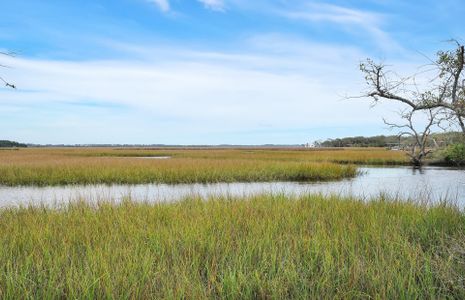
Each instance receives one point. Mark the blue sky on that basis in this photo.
(207, 71)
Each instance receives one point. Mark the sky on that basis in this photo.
(207, 71)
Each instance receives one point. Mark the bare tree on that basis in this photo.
(419, 149)
(7, 84)
(445, 89)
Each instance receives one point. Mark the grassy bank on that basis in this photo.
(261, 247)
(91, 166)
(134, 171)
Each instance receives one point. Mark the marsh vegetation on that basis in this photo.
(261, 246)
(258, 247)
(43, 166)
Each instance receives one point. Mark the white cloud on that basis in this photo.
(213, 4)
(174, 96)
(164, 5)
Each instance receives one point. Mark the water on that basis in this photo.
(432, 184)
(149, 157)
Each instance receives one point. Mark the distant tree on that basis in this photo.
(360, 141)
(419, 142)
(7, 84)
(9, 144)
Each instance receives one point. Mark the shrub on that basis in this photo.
(455, 154)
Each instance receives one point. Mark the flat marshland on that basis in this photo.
(267, 246)
(259, 247)
(45, 166)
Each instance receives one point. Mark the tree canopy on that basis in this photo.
(5, 143)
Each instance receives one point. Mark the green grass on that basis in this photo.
(260, 247)
(135, 171)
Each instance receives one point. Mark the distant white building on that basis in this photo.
(309, 145)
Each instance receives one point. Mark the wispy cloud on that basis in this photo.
(217, 5)
(328, 12)
(164, 5)
(370, 22)
(183, 95)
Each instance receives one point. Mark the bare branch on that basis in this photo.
(7, 84)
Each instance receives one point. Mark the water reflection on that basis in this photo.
(429, 183)
(418, 170)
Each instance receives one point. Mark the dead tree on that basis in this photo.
(419, 148)
(445, 88)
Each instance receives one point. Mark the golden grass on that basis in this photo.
(265, 247)
(52, 166)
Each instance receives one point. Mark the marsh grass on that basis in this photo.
(260, 247)
(110, 171)
(94, 166)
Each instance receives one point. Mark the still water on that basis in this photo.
(431, 183)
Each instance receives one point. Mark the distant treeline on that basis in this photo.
(437, 139)
(360, 141)
(4, 143)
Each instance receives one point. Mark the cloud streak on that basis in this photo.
(163, 5)
(217, 5)
(349, 18)
(317, 12)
